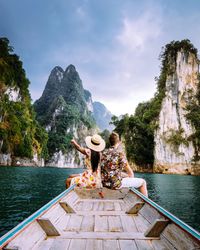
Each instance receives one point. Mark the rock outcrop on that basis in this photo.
(174, 150)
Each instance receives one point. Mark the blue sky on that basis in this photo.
(114, 44)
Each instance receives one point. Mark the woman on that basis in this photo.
(91, 178)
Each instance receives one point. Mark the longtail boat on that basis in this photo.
(101, 219)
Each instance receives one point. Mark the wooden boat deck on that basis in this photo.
(121, 220)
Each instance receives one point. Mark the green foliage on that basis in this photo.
(193, 116)
(18, 125)
(176, 138)
(105, 135)
(138, 129)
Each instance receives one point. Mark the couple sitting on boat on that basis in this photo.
(105, 167)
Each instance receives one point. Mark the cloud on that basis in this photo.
(116, 74)
(136, 33)
(115, 49)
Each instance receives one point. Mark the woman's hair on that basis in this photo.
(95, 158)
(113, 138)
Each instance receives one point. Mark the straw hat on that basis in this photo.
(95, 142)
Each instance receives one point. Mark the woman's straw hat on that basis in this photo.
(95, 142)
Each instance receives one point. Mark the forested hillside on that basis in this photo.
(20, 133)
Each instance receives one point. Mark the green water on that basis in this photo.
(23, 190)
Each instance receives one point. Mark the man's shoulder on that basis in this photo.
(113, 151)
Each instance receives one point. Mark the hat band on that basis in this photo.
(95, 143)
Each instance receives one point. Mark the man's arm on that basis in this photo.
(129, 170)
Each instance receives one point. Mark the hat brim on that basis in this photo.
(97, 148)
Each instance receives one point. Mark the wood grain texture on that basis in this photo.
(180, 239)
(101, 223)
(92, 244)
(105, 235)
(128, 224)
(87, 223)
(127, 245)
(156, 228)
(114, 224)
(48, 227)
(74, 223)
(66, 207)
(135, 208)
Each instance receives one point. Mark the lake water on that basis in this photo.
(23, 190)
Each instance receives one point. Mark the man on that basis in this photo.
(113, 163)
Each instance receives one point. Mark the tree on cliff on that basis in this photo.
(20, 133)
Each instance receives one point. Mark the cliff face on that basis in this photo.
(174, 150)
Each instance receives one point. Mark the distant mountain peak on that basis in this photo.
(71, 69)
(57, 74)
(57, 69)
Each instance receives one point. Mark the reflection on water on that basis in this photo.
(23, 190)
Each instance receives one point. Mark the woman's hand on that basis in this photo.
(78, 147)
(73, 142)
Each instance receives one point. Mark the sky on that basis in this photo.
(114, 44)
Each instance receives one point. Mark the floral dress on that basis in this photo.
(88, 179)
(112, 163)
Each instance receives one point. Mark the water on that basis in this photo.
(23, 190)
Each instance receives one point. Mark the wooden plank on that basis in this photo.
(95, 206)
(108, 193)
(11, 248)
(60, 244)
(150, 213)
(87, 206)
(100, 213)
(48, 227)
(156, 228)
(162, 244)
(74, 223)
(32, 236)
(77, 244)
(101, 206)
(117, 206)
(128, 224)
(61, 224)
(144, 244)
(71, 198)
(46, 244)
(131, 199)
(114, 224)
(179, 238)
(92, 244)
(54, 213)
(88, 223)
(108, 206)
(78, 206)
(135, 208)
(100, 200)
(66, 207)
(141, 223)
(101, 223)
(105, 235)
(127, 245)
(111, 244)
